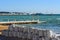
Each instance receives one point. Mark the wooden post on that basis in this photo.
(8, 20)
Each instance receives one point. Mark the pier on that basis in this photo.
(21, 22)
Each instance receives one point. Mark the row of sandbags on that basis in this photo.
(27, 32)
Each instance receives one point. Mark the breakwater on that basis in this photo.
(18, 32)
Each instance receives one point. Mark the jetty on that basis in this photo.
(21, 22)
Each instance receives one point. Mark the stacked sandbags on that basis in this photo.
(43, 35)
(27, 33)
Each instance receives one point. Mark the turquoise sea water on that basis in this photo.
(52, 22)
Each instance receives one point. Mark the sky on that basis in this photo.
(31, 6)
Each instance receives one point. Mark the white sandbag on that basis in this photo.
(20, 34)
(10, 33)
(14, 34)
(34, 39)
(21, 29)
(46, 38)
(40, 33)
(10, 27)
(29, 36)
(35, 31)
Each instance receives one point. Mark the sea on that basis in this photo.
(51, 22)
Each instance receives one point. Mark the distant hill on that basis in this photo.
(4, 12)
(13, 13)
(37, 14)
(41, 14)
(24, 13)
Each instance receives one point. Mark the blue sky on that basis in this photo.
(44, 6)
